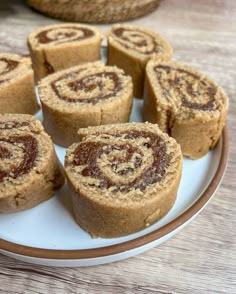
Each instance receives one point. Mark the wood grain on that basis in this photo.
(202, 257)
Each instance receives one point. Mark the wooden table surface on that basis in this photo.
(202, 257)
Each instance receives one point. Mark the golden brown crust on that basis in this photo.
(82, 96)
(122, 177)
(29, 170)
(61, 46)
(130, 48)
(185, 104)
(16, 85)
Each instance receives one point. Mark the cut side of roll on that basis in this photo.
(29, 170)
(130, 48)
(122, 177)
(87, 95)
(60, 46)
(16, 85)
(186, 104)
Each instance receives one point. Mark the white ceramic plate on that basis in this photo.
(48, 234)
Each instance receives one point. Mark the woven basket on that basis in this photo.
(94, 11)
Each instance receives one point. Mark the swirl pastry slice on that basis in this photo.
(185, 104)
(122, 177)
(130, 48)
(60, 46)
(86, 95)
(29, 170)
(16, 85)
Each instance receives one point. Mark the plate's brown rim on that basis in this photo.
(135, 243)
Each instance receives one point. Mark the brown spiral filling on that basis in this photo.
(48, 67)
(137, 40)
(193, 92)
(10, 66)
(13, 125)
(27, 145)
(62, 35)
(89, 89)
(88, 153)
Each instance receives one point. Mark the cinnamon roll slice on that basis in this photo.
(81, 96)
(60, 46)
(122, 177)
(130, 48)
(16, 85)
(29, 170)
(186, 104)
